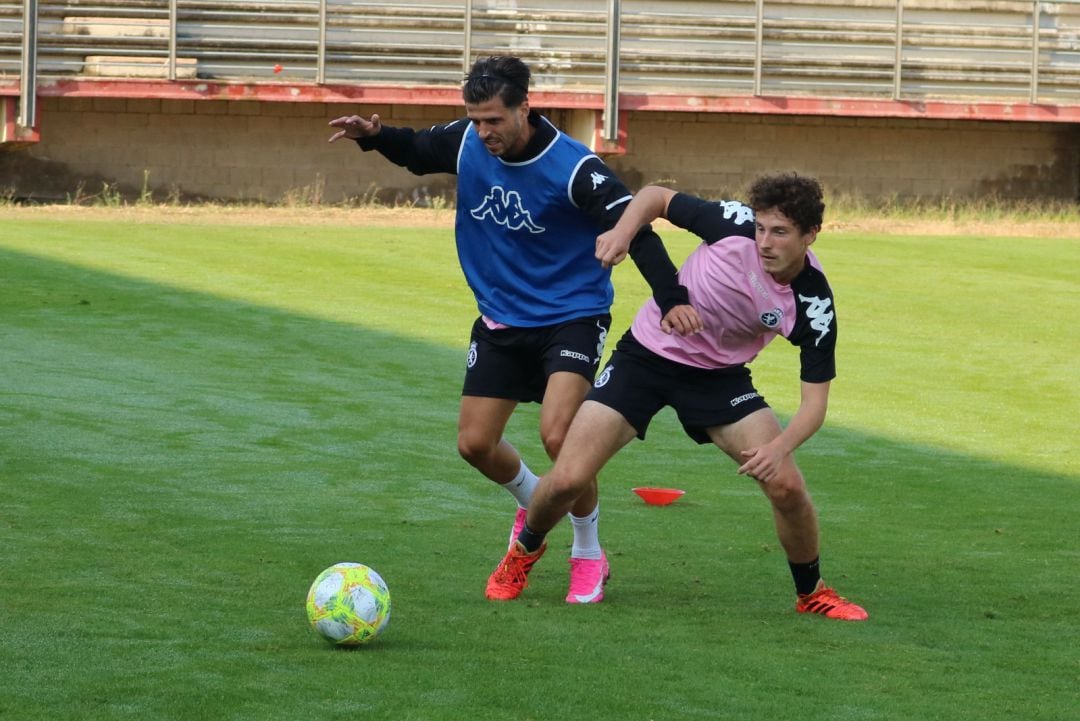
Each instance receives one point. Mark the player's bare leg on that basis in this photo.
(562, 399)
(596, 433)
(480, 442)
(589, 569)
(793, 513)
(481, 422)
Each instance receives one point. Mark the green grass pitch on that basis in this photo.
(195, 420)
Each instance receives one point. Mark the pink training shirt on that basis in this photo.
(741, 306)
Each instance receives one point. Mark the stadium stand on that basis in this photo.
(915, 49)
(942, 60)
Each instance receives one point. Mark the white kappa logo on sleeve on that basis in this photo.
(820, 316)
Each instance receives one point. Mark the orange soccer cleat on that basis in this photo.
(511, 576)
(824, 601)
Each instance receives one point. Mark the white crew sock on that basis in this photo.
(522, 486)
(586, 536)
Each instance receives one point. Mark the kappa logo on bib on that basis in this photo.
(505, 208)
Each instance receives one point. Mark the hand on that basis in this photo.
(354, 126)
(611, 248)
(683, 320)
(762, 463)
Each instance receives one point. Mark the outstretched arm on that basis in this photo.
(763, 462)
(432, 150)
(355, 127)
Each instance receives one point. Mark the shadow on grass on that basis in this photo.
(178, 466)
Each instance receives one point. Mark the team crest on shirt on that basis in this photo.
(604, 377)
(772, 318)
(505, 208)
(470, 359)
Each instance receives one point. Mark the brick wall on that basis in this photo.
(247, 150)
(717, 155)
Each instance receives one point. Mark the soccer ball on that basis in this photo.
(348, 604)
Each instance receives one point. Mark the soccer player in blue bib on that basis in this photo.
(530, 204)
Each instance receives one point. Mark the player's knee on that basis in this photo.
(565, 486)
(553, 442)
(475, 449)
(787, 492)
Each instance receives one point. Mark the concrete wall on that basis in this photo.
(267, 151)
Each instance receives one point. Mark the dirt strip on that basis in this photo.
(428, 218)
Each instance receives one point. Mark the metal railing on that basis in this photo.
(1022, 51)
(28, 67)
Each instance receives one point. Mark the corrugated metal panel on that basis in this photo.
(950, 49)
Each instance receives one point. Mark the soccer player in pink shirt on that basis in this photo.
(752, 279)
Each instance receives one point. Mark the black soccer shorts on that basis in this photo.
(515, 363)
(637, 383)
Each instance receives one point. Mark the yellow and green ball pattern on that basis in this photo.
(348, 604)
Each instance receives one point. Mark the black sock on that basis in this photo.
(806, 576)
(530, 538)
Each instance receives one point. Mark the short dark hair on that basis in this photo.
(502, 76)
(797, 197)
